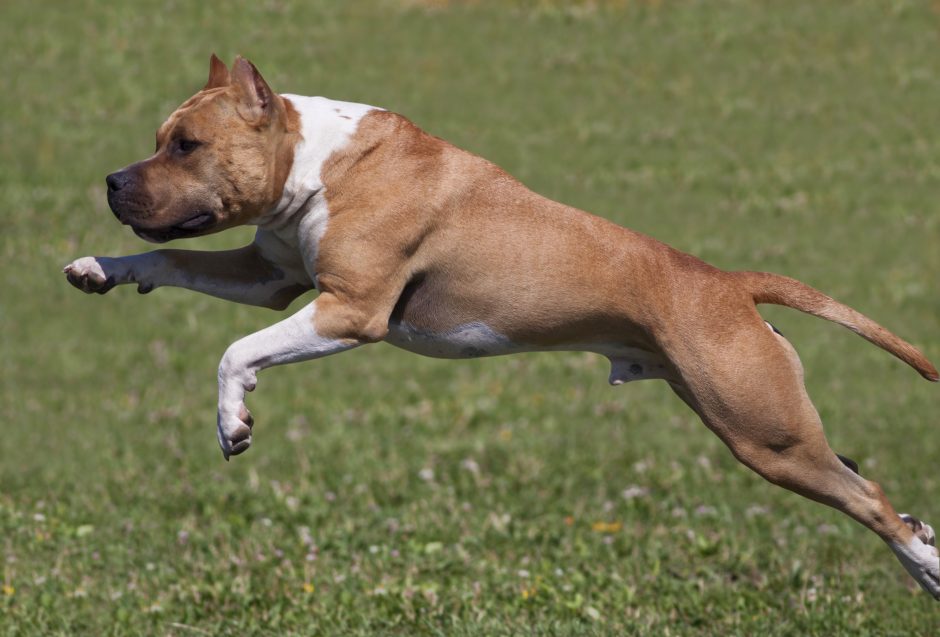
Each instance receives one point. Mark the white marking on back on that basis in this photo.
(301, 215)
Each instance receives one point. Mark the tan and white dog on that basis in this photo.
(412, 241)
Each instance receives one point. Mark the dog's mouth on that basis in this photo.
(196, 224)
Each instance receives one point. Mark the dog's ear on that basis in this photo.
(258, 101)
(218, 74)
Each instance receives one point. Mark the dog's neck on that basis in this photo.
(326, 126)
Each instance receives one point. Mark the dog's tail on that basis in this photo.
(766, 287)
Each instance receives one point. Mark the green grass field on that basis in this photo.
(387, 494)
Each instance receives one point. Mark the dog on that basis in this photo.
(410, 240)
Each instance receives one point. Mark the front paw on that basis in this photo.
(234, 430)
(88, 275)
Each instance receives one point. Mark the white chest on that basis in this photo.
(300, 218)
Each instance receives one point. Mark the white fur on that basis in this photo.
(292, 340)
(326, 126)
(473, 340)
(464, 341)
(922, 562)
(90, 269)
(299, 218)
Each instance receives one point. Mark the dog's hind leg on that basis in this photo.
(747, 386)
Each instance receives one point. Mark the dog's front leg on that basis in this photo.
(292, 340)
(246, 275)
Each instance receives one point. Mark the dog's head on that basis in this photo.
(221, 160)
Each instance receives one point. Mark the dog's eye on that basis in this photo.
(186, 146)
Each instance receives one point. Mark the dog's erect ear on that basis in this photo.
(258, 101)
(218, 74)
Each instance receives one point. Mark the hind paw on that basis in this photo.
(920, 556)
(923, 531)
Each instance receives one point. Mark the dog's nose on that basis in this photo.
(117, 181)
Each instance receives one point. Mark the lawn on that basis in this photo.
(388, 494)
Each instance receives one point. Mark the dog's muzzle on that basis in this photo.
(121, 188)
(127, 206)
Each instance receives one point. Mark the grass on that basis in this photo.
(394, 495)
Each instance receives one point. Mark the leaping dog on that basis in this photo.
(412, 241)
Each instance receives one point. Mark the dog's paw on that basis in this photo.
(923, 531)
(234, 430)
(88, 275)
(920, 557)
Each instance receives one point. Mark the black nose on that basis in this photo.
(117, 181)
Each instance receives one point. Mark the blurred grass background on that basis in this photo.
(390, 494)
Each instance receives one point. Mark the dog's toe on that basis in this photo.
(235, 432)
(923, 531)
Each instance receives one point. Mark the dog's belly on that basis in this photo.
(470, 340)
(474, 340)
